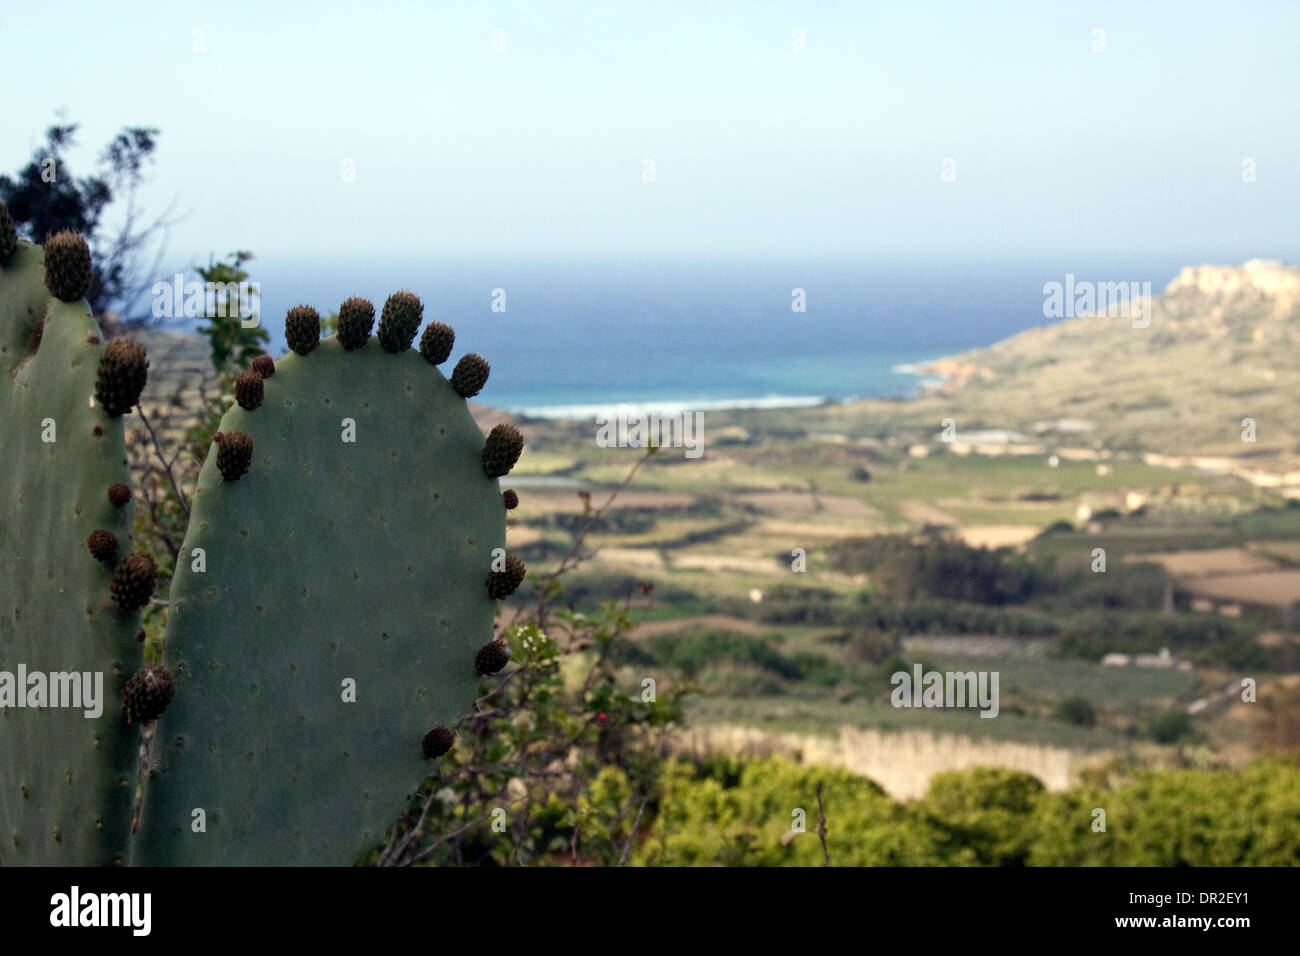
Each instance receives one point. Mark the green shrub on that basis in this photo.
(727, 811)
(1131, 587)
(1200, 638)
(820, 670)
(1180, 818)
(904, 569)
(748, 818)
(1076, 710)
(1171, 727)
(952, 617)
(693, 653)
(976, 816)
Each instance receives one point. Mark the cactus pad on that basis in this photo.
(338, 615)
(66, 779)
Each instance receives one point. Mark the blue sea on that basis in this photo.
(579, 336)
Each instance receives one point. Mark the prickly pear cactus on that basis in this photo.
(66, 775)
(335, 584)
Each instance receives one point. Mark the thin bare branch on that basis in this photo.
(636, 825)
(167, 466)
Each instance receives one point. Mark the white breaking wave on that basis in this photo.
(668, 407)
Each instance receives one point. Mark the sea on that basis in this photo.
(573, 338)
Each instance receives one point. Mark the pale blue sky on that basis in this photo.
(537, 152)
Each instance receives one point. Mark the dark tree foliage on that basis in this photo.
(44, 196)
(937, 567)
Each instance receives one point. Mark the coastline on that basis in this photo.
(944, 375)
(931, 376)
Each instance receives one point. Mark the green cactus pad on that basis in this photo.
(330, 561)
(66, 780)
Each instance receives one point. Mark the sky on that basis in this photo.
(539, 150)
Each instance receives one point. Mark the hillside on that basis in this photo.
(1223, 344)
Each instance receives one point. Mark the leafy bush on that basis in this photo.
(1180, 818)
(554, 751)
(1171, 727)
(869, 646)
(1076, 710)
(792, 604)
(898, 662)
(820, 670)
(904, 569)
(1215, 641)
(952, 617)
(744, 813)
(1132, 587)
(588, 590)
(726, 811)
(976, 816)
(692, 653)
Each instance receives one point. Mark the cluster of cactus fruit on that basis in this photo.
(328, 614)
